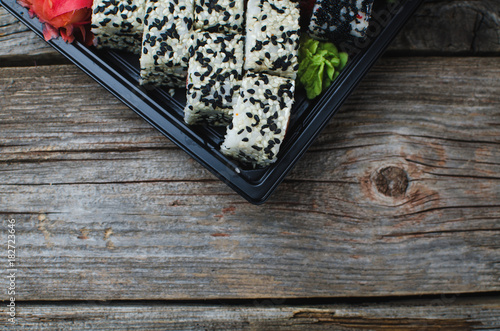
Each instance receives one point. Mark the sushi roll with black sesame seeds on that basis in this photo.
(272, 37)
(118, 24)
(214, 76)
(340, 20)
(260, 119)
(165, 43)
(219, 15)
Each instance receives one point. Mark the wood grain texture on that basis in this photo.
(445, 313)
(439, 27)
(452, 27)
(21, 46)
(399, 195)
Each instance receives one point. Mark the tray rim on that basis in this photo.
(258, 192)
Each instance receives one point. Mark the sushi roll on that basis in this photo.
(260, 119)
(118, 24)
(167, 34)
(340, 20)
(272, 37)
(214, 75)
(219, 15)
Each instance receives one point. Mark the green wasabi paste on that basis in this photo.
(319, 64)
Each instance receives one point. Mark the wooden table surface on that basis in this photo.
(390, 220)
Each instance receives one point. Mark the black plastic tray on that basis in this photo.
(119, 74)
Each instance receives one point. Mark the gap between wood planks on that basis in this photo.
(444, 312)
(416, 299)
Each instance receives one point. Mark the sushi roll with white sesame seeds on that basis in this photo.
(340, 20)
(260, 119)
(165, 43)
(118, 24)
(214, 75)
(219, 15)
(272, 37)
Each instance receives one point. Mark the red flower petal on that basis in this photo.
(61, 17)
(67, 34)
(81, 16)
(86, 36)
(49, 32)
(25, 3)
(55, 8)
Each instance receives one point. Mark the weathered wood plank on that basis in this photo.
(451, 27)
(445, 313)
(459, 26)
(400, 195)
(21, 46)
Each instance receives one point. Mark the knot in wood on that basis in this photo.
(391, 181)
